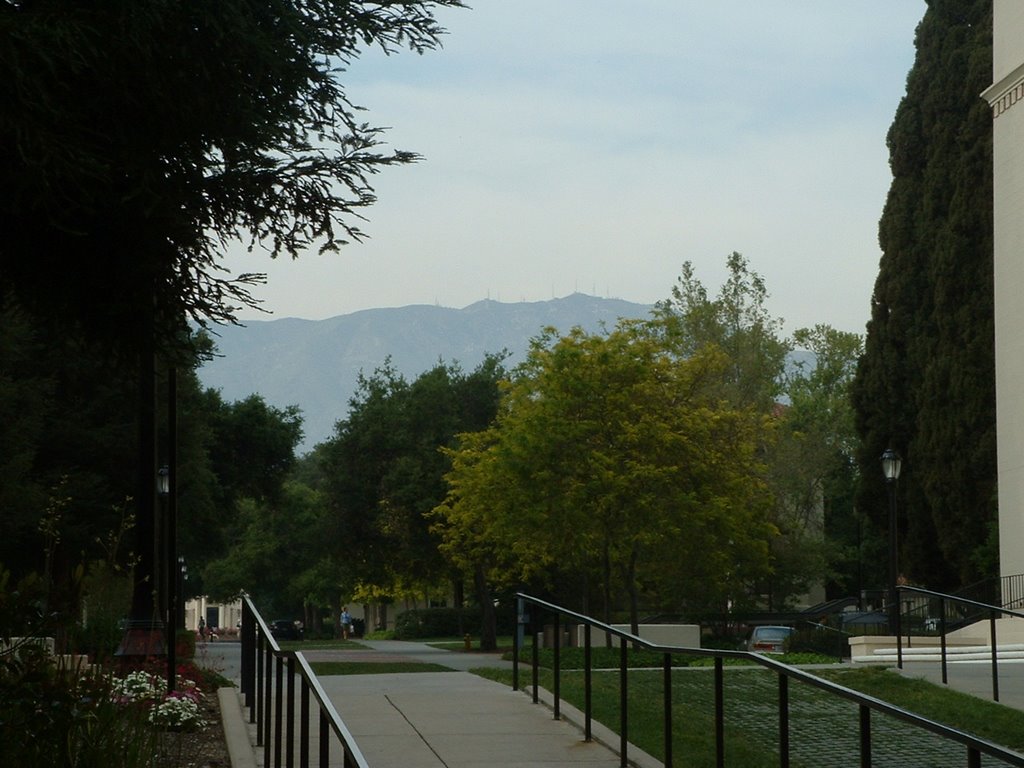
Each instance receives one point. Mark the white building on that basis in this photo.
(1006, 96)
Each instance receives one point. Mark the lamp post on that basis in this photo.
(144, 633)
(891, 464)
(168, 576)
(179, 618)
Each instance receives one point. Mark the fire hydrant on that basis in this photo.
(468, 641)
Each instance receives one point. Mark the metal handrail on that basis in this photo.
(264, 687)
(867, 704)
(992, 612)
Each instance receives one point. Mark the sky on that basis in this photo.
(596, 146)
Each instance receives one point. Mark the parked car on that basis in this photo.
(768, 639)
(285, 629)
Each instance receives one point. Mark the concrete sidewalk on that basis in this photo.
(441, 719)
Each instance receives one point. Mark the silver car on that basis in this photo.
(768, 639)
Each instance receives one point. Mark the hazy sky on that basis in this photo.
(594, 146)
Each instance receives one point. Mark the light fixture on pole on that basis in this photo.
(170, 581)
(891, 465)
(163, 481)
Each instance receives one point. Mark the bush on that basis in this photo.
(185, 644)
(444, 622)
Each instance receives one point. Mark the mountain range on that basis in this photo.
(315, 364)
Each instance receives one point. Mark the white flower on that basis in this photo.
(177, 712)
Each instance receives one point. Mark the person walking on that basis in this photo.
(346, 622)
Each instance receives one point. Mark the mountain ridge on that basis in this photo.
(315, 364)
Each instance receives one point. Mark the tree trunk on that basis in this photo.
(634, 610)
(488, 620)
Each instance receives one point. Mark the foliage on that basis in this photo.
(52, 717)
(144, 137)
(808, 449)
(383, 471)
(613, 456)
(448, 622)
(926, 383)
(275, 545)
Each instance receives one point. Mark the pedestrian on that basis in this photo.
(202, 629)
(346, 622)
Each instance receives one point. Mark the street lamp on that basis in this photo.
(169, 604)
(163, 481)
(891, 464)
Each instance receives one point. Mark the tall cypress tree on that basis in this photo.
(926, 383)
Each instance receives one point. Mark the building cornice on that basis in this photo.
(1007, 92)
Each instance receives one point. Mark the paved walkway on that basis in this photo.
(458, 720)
(450, 719)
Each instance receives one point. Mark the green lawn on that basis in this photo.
(314, 645)
(823, 729)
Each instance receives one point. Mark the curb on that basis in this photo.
(601, 734)
(236, 732)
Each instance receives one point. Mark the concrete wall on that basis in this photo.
(1006, 96)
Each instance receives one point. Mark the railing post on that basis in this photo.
(304, 725)
(325, 744)
(268, 688)
(623, 701)
(278, 708)
(289, 743)
(667, 707)
(557, 664)
(588, 701)
(995, 661)
(247, 647)
(719, 713)
(516, 644)
(865, 736)
(942, 637)
(783, 720)
(536, 661)
(256, 713)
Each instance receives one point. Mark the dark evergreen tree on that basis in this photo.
(926, 383)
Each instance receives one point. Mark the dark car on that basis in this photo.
(284, 629)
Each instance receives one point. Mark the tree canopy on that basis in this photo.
(138, 139)
(610, 455)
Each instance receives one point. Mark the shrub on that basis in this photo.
(185, 644)
(444, 622)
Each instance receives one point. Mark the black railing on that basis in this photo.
(964, 609)
(270, 697)
(867, 705)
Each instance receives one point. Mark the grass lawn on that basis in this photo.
(316, 645)
(326, 668)
(448, 644)
(823, 729)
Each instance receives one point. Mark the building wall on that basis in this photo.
(1007, 99)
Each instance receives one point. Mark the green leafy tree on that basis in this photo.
(384, 470)
(813, 469)
(925, 385)
(738, 323)
(613, 455)
(280, 542)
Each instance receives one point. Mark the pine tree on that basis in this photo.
(926, 383)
